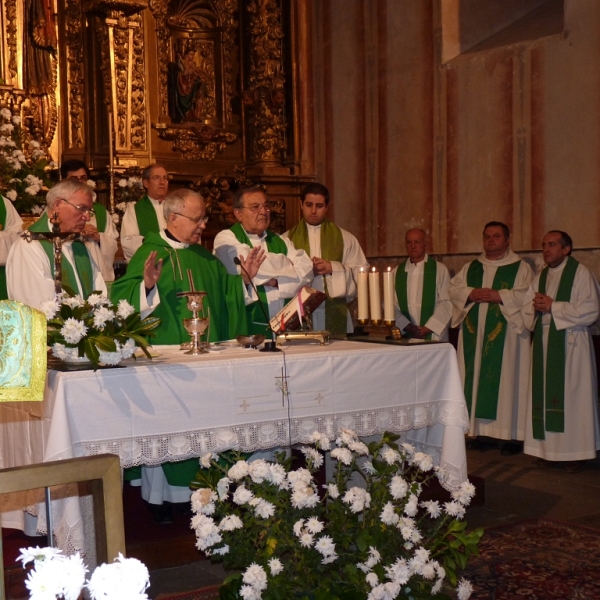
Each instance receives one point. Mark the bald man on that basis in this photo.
(423, 307)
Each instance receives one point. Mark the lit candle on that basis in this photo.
(388, 295)
(374, 295)
(363, 295)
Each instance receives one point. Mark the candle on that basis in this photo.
(388, 295)
(110, 140)
(363, 296)
(374, 295)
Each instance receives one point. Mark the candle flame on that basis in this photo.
(374, 270)
(389, 269)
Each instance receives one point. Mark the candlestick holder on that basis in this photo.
(394, 332)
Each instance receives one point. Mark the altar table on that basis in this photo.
(175, 407)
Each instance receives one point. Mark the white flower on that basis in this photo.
(325, 545)
(464, 493)
(428, 570)
(128, 350)
(259, 470)
(332, 490)
(205, 460)
(306, 540)
(347, 436)
(223, 550)
(264, 509)
(238, 471)
(122, 206)
(115, 218)
(73, 330)
(304, 497)
(32, 190)
(101, 316)
(406, 525)
(275, 566)
(388, 515)
(320, 440)
(408, 448)
(16, 120)
(110, 358)
(412, 506)
(34, 144)
(400, 572)
(11, 195)
(223, 488)
(299, 477)
(203, 501)
(389, 455)
(6, 127)
(122, 183)
(247, 592)
(329, 559)
(255, 576)
(91, 183)
(424, 461)
(98, 300)
(207, 533)
(343, 455)
(455, 509)
(278, 476)
(372, 579)
(124, 309)
(358, 447)
(5, 113)
(59, 350)
(50, 308)
(464, 589)
(124, 578)
(242, 495)
(433, 508)
(314, 525)
(298, 526)
(357, 498)
(73, 301)
(231, 523)
(38, 554)
(313, 456)
(367, 467)
(36, 209)
(398, 487)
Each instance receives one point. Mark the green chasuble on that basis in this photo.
(101, 216)
(492, 349)
(332, 249)
(225, 301)
(255, 312)
(3, 290)
(548, 394)
(146, 216)
(429, 292)
(83, 264)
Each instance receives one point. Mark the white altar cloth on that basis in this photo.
(176, 407)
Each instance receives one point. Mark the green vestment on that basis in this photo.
(3, 290)
(225, 301)
(146, 216)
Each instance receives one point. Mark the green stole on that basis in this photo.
(274, 244)
(3, 290)
(429, 291)
(83, 264)
(146, 216)
(494, 334)
(101, 216)
(332, 249)
(552, 402)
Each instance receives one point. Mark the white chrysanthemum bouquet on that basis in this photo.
(96, 328)
(128, 189)
(55, 576)
(366, 534)
(24, 169)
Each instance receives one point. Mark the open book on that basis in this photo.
(290, 316)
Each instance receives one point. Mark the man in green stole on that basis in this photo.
(146, 215)
(493, 348)
(30, 265)
(175, 254)
(285, 269)
(11, 226)
(559, 307)
(336, 255)
(100, 228)
(423, 307)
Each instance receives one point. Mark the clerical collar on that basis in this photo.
(172, 240)
(262, 236)
(559, 267)
(315, 227)
(153, 200)
(419, 263)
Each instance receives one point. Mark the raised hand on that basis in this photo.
(152, 269)
(252, 263)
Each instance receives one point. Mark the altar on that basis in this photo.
(174, 407)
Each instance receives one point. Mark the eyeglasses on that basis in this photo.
(159, 178)
(80, 178)
(197, 220)
(82, 209)
(256, 208)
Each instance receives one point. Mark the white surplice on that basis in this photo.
(108, 246)
(512, 394)
(341, 283)
(131, 239)
(292, 272)
(440, 319)
(581, 437)
(11, 230)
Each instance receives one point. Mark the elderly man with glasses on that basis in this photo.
(146, 215)
(285, 269)
(30, 265)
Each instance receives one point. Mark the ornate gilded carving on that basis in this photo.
(265, 96)
(74, 73)
(202, 143)
(11, 35)
(194, 37)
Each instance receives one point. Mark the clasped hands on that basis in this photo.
(321, 266)
(485, 295)
(417, 332)
(542, 303)
(251, 264)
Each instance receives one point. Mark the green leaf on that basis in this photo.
(104, 343)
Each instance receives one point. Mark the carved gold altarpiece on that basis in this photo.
(210, 88)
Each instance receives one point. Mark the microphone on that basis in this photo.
(272, 345)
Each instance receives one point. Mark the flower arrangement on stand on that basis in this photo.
(129, 189)
(24, 168)
(95, 328)
(372, 540)
(55, 576)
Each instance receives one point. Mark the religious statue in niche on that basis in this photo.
(191, 83)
